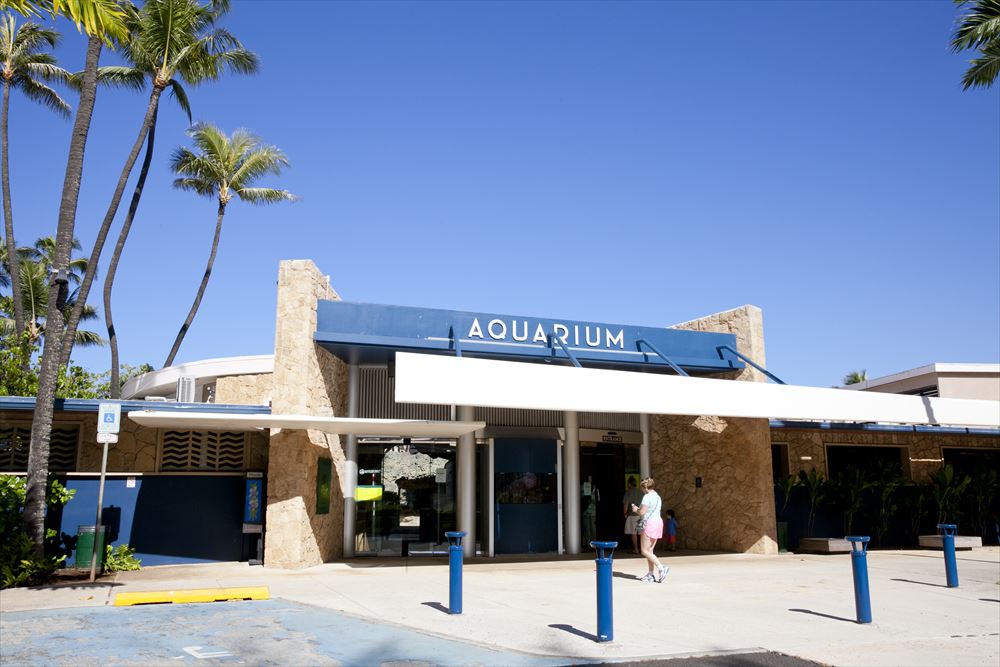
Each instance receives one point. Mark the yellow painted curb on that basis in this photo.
(192, 595)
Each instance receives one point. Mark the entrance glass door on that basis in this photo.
(604, 468)
(525, 490)
(405, 498)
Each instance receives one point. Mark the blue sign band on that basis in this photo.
(369, 333)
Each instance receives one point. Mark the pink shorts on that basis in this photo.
(653, 529)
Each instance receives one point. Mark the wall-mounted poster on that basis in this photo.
(323, 477)
(253, 503)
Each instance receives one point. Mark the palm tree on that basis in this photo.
(170, 39)
(979, 29)
(856, 377)
(223, 168)
(103, 21)
(34, 265)
(23, 66)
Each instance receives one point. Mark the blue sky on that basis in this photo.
(638, 163)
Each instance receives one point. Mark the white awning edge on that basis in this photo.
(443, 380)
(417, 428)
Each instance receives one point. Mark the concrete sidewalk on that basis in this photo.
(801, 605)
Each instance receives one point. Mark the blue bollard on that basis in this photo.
(605, 606)
(948, 531)
(455, 570)
(859, 565)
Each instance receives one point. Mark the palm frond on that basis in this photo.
(104, 19)
(88, 339)
(262, 196)
(39, 92)
(46, 71)
(983, 71)
(180, 96)
(978, 27)
(29, 38)
(116, 76)
(262, 160)
(198, 185)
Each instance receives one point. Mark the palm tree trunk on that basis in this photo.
(33, 518)
(201, 289)
(109, 280)
(102, 233)
(8, 220)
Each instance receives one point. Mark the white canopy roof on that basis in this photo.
(417, 428)
(444, 380)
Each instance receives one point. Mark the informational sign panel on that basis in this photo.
(109, 417)
(253, 503)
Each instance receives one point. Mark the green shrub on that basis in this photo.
(121, 559)
(18, 564)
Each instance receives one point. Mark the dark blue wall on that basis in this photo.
(168, 519)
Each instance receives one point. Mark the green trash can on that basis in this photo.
(85, 547)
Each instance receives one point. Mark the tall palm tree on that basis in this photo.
(171, 40)
(23, 66)
(104, 22)
(34, 265)
(223, 168)
(979, 29)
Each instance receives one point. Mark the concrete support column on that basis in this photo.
(644, 466)
(351, 462)
(465, 493)
(571, 482)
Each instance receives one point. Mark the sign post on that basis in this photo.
(109, 419)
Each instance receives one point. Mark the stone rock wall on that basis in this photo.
(733, 510)
(307, 381)
(135, 451)
(923, 457)
(244, 389)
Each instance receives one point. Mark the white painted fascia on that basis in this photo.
(163, 382)
(214, 421)
(443, 380)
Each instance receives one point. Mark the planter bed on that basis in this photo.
(824, 545)
(961, 542)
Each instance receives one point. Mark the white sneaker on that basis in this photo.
(663, 574)
(648, 577)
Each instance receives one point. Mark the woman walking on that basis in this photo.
(651, 529)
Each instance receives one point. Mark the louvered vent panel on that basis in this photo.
(512, 417)
(231, 451)
(176, 453)
(610, 421)
(62, 448)
(191, 451)
(377, 400)
(15, 441)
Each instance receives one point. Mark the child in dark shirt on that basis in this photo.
(670, 530)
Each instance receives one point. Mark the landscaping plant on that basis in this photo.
(849, 487)
(19, 565)
(816, 488)
(121, 559)
(947, 489)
